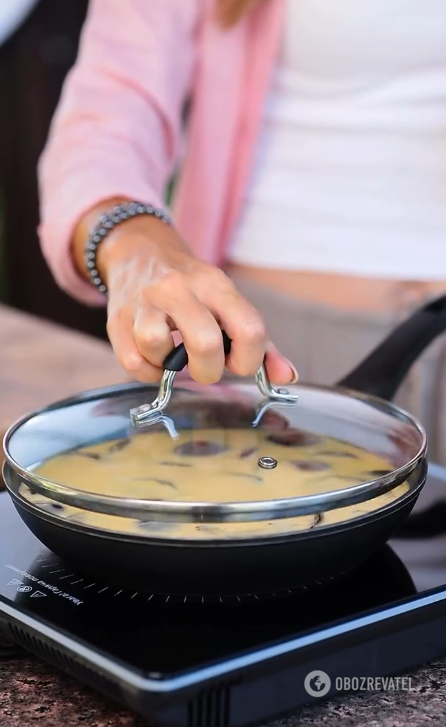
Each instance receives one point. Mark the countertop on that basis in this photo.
(33, 693)
(39, 363)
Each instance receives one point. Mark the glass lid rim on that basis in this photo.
(324, 530)
(228, 511)
(183, 511)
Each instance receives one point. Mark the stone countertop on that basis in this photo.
(33, 693)
(39, 363)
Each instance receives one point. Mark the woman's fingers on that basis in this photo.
(152, 334)
(202, 338)
(175, 295)
(278, 368)
(250, 344)
(121, 334)
(141, 345)
(155, 290)
(244, 327)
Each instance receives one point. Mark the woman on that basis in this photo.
(308, 142)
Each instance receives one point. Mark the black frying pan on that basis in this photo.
(317, 556)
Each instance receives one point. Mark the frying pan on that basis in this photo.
(259, 565)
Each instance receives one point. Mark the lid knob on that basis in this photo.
(268, 463)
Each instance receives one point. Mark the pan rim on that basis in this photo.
(259, 540)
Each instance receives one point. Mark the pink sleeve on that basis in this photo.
(116, 131)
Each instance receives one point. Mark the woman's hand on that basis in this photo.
(156, 286)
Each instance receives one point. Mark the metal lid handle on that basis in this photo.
(176, 361)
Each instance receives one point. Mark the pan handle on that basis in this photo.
(383, 371)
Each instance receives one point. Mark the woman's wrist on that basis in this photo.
(141, 236)
(83, 230)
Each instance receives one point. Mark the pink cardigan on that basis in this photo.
(117, 130)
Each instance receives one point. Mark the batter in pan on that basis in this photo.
(214, 465)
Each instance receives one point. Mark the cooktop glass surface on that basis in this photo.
(167, 637)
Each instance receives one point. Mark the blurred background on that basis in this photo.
(38, 46)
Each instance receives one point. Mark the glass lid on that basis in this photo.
(235, 452)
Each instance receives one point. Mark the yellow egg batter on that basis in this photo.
(214, 465)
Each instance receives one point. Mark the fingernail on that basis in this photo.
(294, 370)
(270, 347)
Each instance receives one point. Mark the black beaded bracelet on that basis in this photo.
(106, 224)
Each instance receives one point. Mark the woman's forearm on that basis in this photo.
(116, 130)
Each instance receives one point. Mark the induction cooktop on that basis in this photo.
(195, 663)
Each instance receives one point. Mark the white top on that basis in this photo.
(350, 169)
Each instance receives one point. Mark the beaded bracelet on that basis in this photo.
(106, 224)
